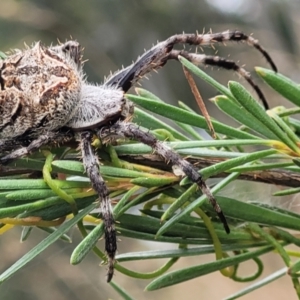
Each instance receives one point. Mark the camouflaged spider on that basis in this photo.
(45, 99)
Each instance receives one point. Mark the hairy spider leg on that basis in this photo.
(11, 145)
(158, 56)
(132, 131)
(52, 137)
(91, 165)
(220, 62)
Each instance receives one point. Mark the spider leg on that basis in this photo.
(9, 145)
(220, 62)
(91, 165)
(158, 56)
(34, 145)
(130, 130)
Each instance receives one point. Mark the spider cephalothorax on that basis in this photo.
(45, 99)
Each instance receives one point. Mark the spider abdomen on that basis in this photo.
(40, 89)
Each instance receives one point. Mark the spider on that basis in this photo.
(45, 99)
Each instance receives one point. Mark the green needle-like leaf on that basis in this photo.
(280, 83)
(44, 244)
(186, 117)
(182, 275)
(243, 116)
(246, 100)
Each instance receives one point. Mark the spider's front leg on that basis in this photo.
(161, 53)
(130, 130)
(91, 165)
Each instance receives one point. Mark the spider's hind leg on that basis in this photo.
(91, 165)
(34, 145)
(10, 145)
(130, 130)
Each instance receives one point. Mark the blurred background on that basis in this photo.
(114, 33)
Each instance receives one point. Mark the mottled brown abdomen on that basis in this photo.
(40, 90)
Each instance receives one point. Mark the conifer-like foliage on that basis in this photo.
(49, 190)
